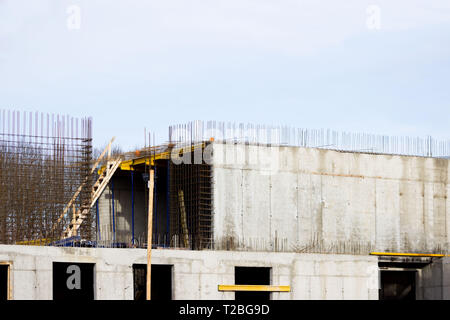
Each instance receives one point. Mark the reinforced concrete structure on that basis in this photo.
(239, 215)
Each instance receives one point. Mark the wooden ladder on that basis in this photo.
(97, 189)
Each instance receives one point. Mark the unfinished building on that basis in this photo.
(253, 211)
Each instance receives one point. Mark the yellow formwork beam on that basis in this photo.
(38, 242)
(128, 165)
(248, 287)
(407, 254)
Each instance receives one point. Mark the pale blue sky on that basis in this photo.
(313, 64)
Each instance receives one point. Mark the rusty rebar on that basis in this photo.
(43, 160)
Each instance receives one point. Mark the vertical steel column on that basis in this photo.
(155, 208)
(168, 204)
(132, 206)
(113, 211)
(99, 236)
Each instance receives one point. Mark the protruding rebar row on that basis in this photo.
(197, 131)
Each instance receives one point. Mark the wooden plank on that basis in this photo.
(74, 214)
(9, 283)
(108, 175)
(183, 218)
(149, 234)
(77, 220)
(248, 287)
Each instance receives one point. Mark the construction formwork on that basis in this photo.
(182, 199)
(44, 159)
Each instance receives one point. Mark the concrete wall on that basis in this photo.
(196, 274)
(123, 214)
(435, 284)
(122, 209)
(341, 201)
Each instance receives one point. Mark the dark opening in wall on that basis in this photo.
(252, 276)
(161, 281)
(4, 282)
(73, 281)
(398, 285)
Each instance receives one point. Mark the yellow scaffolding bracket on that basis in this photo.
(128, 165)
(248, 287)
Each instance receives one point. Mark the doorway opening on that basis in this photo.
(73, 281)
(161, 284)
(252, 276)
(4, 282)
(398, 285)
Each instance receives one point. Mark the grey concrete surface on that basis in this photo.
(196, 274)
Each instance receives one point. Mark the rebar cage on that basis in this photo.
(44, 159)
(193, 208)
